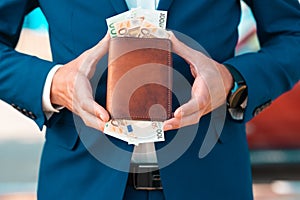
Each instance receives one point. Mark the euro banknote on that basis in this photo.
(130, 23)
(135, 132)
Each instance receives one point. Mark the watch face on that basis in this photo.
(238, 97)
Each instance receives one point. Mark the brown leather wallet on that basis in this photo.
(139, 82)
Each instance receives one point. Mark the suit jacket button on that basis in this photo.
(31, 115)
(261, 108)
(256, 112)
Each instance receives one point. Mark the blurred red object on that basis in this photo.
(277, 127)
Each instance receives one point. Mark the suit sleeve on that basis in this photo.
(22, 77)
(275, 68)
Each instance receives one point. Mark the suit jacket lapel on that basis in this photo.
(119, 5)
(164, 4)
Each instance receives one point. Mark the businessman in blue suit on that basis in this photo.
(47, 93)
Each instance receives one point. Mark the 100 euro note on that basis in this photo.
(135, 132)
(155, 17)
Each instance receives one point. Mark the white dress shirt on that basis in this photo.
(143, 153)
(146, 4)
(47, 105)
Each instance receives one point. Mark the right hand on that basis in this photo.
(72, 89)
(210, 88)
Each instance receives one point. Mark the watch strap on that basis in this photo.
(238, 96)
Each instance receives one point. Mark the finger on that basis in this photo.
(92, 56)
(193, 118)
(176, 123)
(193, 71)
(171, 124)
(182, 50)
(100, 49)
(188, 108)
(92, 121)
(93, 108)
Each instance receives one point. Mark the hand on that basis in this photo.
(210, 88)
(72, 89)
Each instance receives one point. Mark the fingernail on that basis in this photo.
(103, 117)
(179, 113)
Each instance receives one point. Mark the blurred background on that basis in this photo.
(273, 136)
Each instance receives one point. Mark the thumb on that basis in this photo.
(186, 52)
(93, 55)
(100, 49)
(182, 49)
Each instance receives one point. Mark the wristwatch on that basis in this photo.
(238, 95)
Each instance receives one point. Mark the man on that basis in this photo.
(68, 169)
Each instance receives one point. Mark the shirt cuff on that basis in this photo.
(48, 108)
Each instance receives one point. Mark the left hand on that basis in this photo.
(210, 88)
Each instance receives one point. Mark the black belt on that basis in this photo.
(144, 177)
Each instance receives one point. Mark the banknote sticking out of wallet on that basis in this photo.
(139, 82)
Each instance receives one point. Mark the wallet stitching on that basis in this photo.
(169, 81)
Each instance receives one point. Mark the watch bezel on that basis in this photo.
(237, 97)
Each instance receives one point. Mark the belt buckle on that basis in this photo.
(146, 177)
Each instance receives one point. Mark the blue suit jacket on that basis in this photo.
(69, 171)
